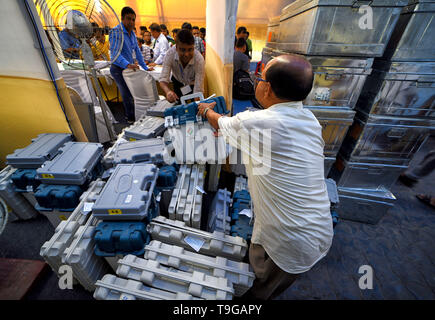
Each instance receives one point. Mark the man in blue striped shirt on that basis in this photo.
(70, 44)
(129, 58)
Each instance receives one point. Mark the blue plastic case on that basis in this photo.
(181, 114)
(120, 238)
(241, 201)
(61, 197)
(24, 178)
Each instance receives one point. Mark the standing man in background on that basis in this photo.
(165, 32)
(174, 33)
(69, 43)
(241, 33)
(240, 60)
(129, 58)
(249, 44)
(161, 45)
(202, 36)
(147, 39)
(199, 44)
(101, 47)
(147, 47)
(146, 51)
(142, 31)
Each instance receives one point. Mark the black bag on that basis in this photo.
(243, 86)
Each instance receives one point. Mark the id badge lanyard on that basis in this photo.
(186, 88)
(182, 73)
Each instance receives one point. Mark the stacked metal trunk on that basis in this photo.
(329, 34)
(395, 114)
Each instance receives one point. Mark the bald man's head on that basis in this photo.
(290, 77)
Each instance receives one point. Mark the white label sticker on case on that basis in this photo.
(87, 207)
(246, 212)
(195, 243)
(322, 94)
(128, 199)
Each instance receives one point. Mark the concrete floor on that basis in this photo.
(399, 249)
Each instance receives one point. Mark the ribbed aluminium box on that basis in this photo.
(363, 174)
(327, 163)
(400, 89)
(196, 142)
(272, 32)
(338, 81)
(384, 137)
(412, 39)
(336, 27)
(335, 124)
(367, 206)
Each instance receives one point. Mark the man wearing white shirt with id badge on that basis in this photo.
(161, 45)
(186, 65)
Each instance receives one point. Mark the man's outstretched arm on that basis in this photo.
(206, 111)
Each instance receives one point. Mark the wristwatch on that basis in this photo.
(205, 113)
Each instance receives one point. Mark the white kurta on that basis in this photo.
(162, 45)
(292, 210)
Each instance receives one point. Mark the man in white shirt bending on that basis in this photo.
(161, 45)
(186, 65)
(293, 225)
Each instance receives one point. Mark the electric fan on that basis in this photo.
(77, 30)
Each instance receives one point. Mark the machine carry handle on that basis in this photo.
(191, 96)
(396, 133)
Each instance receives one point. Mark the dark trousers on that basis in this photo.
(127, 98)
(177, 87)
(270, 279)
